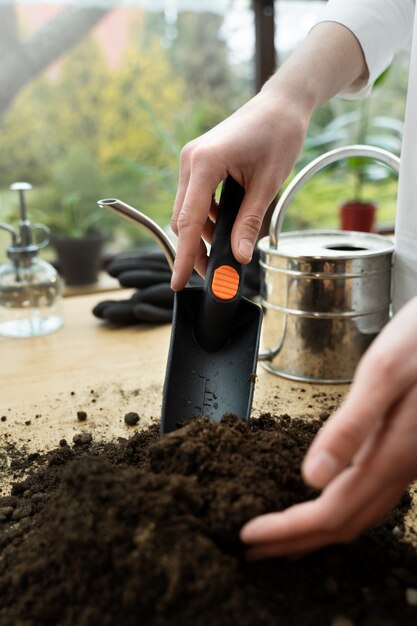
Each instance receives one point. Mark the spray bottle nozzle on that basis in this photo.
(22, 240)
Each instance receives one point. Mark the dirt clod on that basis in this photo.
(81, 416)
(5, 513)
(131, 419)
(22, 511)
(82, 439)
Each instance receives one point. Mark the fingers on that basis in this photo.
(318, 537)
(249, 221)
(184, 177)
(190, 226)
(198, 182)
(355, 499)
(376, 432)
(386, 372)
(201, 258)
(194, 206)
(297, 522)
(341, 513)
(395, 443)
(201, 172)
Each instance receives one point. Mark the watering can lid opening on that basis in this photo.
(334, 244)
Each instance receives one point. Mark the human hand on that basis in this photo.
(258, 146)
(364, 456)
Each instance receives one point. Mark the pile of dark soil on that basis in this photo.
(145, 532)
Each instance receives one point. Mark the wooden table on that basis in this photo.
(106, 371)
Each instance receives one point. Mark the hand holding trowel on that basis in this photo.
(215, 331)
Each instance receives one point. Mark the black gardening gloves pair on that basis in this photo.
(153, 301)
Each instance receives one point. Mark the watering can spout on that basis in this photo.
(133, 215)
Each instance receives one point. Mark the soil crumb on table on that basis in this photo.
(131, 418)
(144, 531)
(81, 416)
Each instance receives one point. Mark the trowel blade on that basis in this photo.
(198, 382)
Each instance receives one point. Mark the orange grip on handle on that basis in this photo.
(225, 283)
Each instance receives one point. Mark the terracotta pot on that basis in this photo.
(79, 258)
(359, 216)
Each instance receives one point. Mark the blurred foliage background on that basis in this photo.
(95, 131)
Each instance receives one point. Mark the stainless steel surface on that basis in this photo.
(325, 294)
(133, 215)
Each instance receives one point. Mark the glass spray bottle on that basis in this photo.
(30, 288)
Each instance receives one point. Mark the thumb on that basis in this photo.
(249, 221)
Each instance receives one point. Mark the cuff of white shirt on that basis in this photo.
(374, 63)
(381, 28)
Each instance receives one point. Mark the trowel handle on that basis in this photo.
(224, 277)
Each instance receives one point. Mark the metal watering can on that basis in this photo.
(325, 294)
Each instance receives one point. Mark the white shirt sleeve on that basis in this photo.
(381, 26)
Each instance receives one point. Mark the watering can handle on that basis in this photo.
(378, 154)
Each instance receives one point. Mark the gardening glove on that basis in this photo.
(153, 303)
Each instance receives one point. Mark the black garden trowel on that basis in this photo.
(215, 334)
(215, 331)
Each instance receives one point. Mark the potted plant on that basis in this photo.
(357, 213)
(68, 205)
(80, 246)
